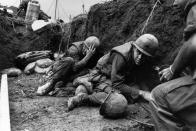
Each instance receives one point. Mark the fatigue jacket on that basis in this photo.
(123, 71)
(75, 51)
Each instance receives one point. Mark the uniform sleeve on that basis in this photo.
(118, 76)
(79, 63)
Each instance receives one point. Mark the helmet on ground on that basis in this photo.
(147, 44)
(92, 40)
(114, 106)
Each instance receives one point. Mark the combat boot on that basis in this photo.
(44, 89)
(77, 100)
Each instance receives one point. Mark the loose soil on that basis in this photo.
(45, 113)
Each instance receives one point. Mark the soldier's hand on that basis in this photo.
(146, 95)
(166, 74)
(90, 51)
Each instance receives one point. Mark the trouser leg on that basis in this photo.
(173, 107)
(102, 88)
(100, 94)
(62, 70)
(163, 117)
(97, 98)
(164, 120)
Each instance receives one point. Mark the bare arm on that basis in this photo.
(118, 75)
(181, 61)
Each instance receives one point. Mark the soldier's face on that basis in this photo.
(138, 56)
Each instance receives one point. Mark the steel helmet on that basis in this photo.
(92, 40)
(147, 44)
(114, 106)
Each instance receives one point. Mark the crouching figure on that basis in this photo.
(81, 55)
(124, 70)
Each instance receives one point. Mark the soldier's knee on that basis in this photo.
(81, 89)
(156, 93)
(68, 61)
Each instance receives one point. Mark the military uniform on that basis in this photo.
(174, 102)
(117, 70)
(71, 65)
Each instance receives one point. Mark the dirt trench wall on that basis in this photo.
(78, 28)
(117, 22)
(114, 22)
(13, 44)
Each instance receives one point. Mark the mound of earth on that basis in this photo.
(16, 40)
(116, 22)
(78, 28)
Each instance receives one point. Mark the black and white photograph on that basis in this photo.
(98, 65)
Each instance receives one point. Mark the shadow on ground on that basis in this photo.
(33, 113)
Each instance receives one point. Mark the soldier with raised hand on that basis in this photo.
(81, 55)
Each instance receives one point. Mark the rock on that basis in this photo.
(44, 63)
(12, 72)
(42, 70)
(30, 68)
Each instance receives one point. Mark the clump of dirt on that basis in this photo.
(116, 22)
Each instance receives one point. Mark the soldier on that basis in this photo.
(23, 6)
(82, 54)
(115, 70)
(173, 103)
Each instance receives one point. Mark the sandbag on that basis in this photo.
(12, 72)
(44, 63)
(41, 70)
(38, 24)
(24, 59)
(30, 68)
